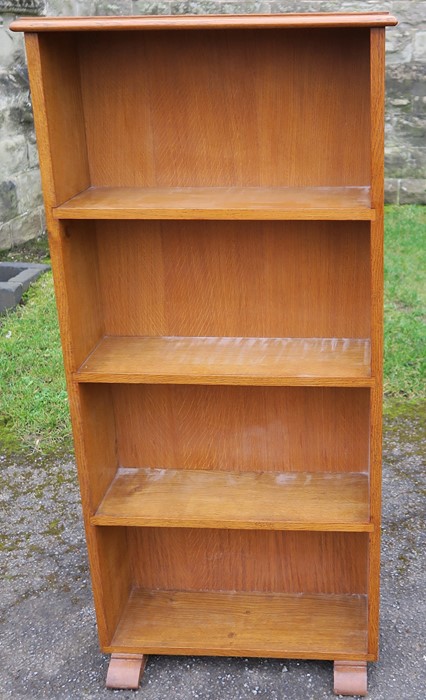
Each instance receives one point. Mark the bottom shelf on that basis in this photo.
(243, 624)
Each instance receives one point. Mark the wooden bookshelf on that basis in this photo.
(216, 231)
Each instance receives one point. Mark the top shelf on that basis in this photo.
(284, 21)
(291, 203)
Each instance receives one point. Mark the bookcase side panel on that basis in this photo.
(54, 73)
(377, 69)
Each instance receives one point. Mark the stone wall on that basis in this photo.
(21, 211)
(21, 215)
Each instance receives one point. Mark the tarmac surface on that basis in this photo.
(48, 639)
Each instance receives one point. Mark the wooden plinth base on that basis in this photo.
(350, 677)
(125, 671)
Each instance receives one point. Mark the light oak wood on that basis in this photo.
(215, 109)
(125, 671)
(332, 19)
(266, 561)
(377, 87)
(252, 361)
(55, 83)
(350, 678)
(251, 500)
(244, 624)
(316, 203)
(269, 279)
(242, 428)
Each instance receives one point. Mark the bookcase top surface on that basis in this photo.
(151, 22)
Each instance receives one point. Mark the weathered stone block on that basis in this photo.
(412, 191)
(419, 47)
(246, 7)
(405, 162)
(140, 7)
(8, 200)
(28, 187)
(13, 154)
(21, 229)
(410, 12)
(399, 47)
(5, 236)
(85, 7)
(391, 191)
(410, 128)
(32, 155)
(23, 7)
(57, 8)
(124, 7)
(26, 227)
(323, 6)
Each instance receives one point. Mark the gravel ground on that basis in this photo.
(48, 632)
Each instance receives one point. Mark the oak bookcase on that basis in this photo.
(214, 198)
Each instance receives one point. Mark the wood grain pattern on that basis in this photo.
(251, 361)
(325, 19)
(61, 137)
(350, 678)
(235, 278)
(301, 626)
(274, 203)
(377, 82)
(267, 561)
(242, 428)
(246, 123)
(125, 671)
(245, 500)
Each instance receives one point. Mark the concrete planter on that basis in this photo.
(15, 278)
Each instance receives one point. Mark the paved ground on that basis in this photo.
(47, 625)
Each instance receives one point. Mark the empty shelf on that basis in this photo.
(243, 624)
(233, 361)
(243, 500)
(318, 203)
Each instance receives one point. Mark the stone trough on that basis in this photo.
(15, 278)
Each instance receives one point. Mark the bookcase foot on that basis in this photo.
(350, 677)
(125, 671)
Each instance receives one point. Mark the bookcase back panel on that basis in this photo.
(223, 108)
(242, 428)
(234, 278)
(236, 560)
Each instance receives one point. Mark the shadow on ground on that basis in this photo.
(49, 642)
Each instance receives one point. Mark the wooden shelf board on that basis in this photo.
(324, 19)
(233, 361)
(317, 203)
(243, 500)
(243, 624)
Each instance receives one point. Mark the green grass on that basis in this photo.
(405, 304)
(33, 400)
